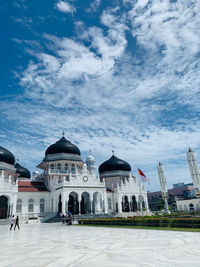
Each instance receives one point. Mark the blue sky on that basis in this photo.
(120, 75)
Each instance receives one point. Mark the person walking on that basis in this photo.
(12, 221)
(17, 223)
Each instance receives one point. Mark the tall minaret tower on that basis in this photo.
(163, 185)
(194, 171)
(90, 163)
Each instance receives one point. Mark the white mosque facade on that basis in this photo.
(67, 183)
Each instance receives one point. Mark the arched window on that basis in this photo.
(19, 206)
(59, 166)
(109, 203)
(30, 205)
(42, 203)
(73, 169)
(52, 167)
(66, 167)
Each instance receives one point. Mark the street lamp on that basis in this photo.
(162, 179)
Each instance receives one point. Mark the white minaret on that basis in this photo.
(194, 171)
(162, 179)
(90, 163)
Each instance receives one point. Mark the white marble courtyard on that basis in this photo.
(56, 245)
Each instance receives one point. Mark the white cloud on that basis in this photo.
(140, 97)
(65, 7)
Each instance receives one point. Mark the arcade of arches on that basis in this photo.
(92, 203)
(83, 204)
(133, 205)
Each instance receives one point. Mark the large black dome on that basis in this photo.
(23, 172)
(114, 164)
(63, 146)
(6, 156)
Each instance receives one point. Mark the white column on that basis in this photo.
(79, 203)
(91, 201)
(129, 203)
(119, 204)
(63, 198)
(66, 202)
(14, 204)
(105, 203)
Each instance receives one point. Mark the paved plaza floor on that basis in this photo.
(55, 245)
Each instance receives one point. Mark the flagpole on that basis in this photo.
(140, 182)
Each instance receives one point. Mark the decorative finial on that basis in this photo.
(160, 163)
(190, 150)
(17, 160)
(63, 133)
(113, 152)
(89, 152)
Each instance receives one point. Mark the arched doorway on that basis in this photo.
(126, 204)
(134, 204)
(97, 203)
(3, 207)
(191, 207)
(73, 206)
(60, 205)
(85, 203)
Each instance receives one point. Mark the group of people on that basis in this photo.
(14, 221)
(66, 219)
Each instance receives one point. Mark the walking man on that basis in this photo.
(12, 221)
(17, 223)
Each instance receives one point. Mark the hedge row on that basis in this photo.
(153, 222)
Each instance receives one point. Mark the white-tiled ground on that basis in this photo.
(56, 245)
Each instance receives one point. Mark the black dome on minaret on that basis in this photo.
(114, 164)
(23, 172)
(63, 146)
(6, 156)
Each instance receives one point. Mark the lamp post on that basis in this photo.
(194, 171)
(162, 179)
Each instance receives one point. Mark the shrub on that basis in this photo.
(147, 221)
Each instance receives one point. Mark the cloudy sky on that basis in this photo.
(121, 74)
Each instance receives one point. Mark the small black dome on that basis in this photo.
(63, 146)
(6, 156)
(23, 172)
(114, 164)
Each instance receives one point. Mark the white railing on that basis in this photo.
(59, 171)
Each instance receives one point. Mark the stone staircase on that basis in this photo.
(77, 217)
(4, 221)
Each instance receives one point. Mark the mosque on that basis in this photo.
(67, 183)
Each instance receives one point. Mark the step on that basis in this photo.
(4, 221)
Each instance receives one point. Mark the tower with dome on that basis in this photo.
(68, 183)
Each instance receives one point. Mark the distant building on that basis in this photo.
(178, 185)
(179, 191)
(188, 205)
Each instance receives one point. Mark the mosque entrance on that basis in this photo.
(3, 207)
(60, 205)
(85, 203)
(134, 204)
(73, 206)
(126, 204)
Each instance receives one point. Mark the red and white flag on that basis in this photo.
(143, 176)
